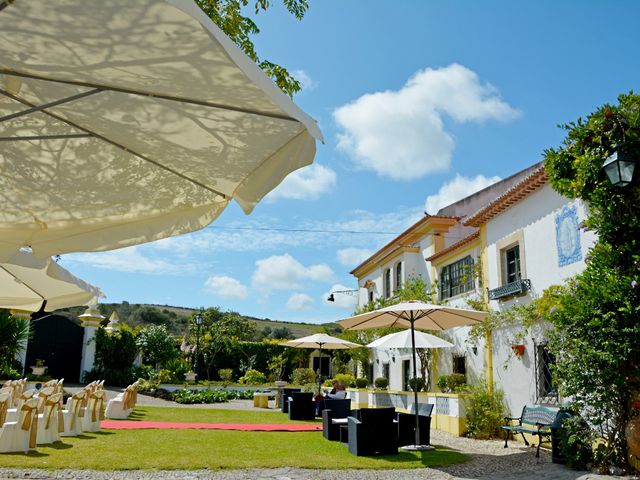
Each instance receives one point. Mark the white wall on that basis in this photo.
(535, 218)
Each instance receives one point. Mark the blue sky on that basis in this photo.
(420, 103)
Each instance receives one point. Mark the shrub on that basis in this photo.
(362, 383)
(164, 376)
(455, 382)
(576, 443)
(225, 375)
(119, 377)
(216, 395)
(485, 411)
(178, 369)
(345, 379)
(144, 372)
(303, 376)
(416, 384)
(253, 377)
(381, 383)
(8, 373)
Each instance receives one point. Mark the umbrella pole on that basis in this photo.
(320, 369)
(416, 446)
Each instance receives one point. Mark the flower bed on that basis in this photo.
(210, 396)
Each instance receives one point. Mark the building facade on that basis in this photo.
(502, 246)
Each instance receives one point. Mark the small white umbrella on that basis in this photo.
(403, 340)
(412, 315)
(29, 283)
(320, 341)
(127, 121)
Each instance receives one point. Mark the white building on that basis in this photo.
(504, 244)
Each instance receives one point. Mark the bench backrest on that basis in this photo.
(535, 415)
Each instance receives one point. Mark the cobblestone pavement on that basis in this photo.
(489, 460)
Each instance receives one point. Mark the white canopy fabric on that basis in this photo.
(423, 316)
(127, 121)
(322, 341)
(403, 340)
(26, 283)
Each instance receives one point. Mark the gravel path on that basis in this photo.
(489, 460)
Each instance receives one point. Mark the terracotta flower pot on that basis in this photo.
(633, 436)
(518, 350)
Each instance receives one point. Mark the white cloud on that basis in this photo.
(299, 302)
(131, 260)
(351, 257)
(455, 190)
(306, 82)
(307, 183)
(341, 300)
(400, 134)
(283, 272)
(226, 287)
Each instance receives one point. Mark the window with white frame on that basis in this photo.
(545, 387)
(387, 283)
(457, 278)
(398, 272)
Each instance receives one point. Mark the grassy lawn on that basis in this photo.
(211, 415)
(214, 449)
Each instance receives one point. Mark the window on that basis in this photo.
(370, 295)
(512, 264)
(457, 278)
(545, 389)
(370, 373)
(385, 370)
(387, 283)
(398, 276)
(460, 365)
(406, 374)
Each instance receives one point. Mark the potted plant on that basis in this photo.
(39, 367)
(518, 350)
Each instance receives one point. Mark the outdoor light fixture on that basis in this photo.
(198, 321)
(474, 350)
(619, 167)
(393, 359)
(331, 298)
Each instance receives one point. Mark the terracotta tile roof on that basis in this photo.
(398, 241)
(532, 183)
(453, 247)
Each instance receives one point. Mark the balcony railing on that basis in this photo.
(518, 287)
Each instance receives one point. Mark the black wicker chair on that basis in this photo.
(302, 406)
(284, 401)
(375, 433)
(407, 426)
(334, 409)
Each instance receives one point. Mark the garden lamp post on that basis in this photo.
(619, 167)
(198, 320)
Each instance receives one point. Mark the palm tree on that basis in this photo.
(14, 334)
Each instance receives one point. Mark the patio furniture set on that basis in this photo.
(365, 431)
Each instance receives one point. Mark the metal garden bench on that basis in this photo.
(535, 421)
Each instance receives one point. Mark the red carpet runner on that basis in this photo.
(247, 427)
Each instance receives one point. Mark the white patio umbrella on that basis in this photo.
(29, 283)
(127, 121)
(414, 315)
(403, 340)
(320, 341)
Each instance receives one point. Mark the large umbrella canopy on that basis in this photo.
(321, 340)
(403, 340)
(414, 315)
(28, 283)
(420, 315)
(126, 121)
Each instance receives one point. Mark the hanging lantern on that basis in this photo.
(619, 167)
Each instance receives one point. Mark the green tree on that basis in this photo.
(157, 345)
(14, 333)
(229, 16)
(597, 339)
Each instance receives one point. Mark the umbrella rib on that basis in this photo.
(49, 105)
(172, 98)
(118, 145)
(45, 137)
(26, 285)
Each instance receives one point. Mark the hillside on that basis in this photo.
(176, 319)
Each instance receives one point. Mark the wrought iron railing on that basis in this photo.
(518, 287)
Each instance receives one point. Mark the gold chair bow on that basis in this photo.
(30, 421)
